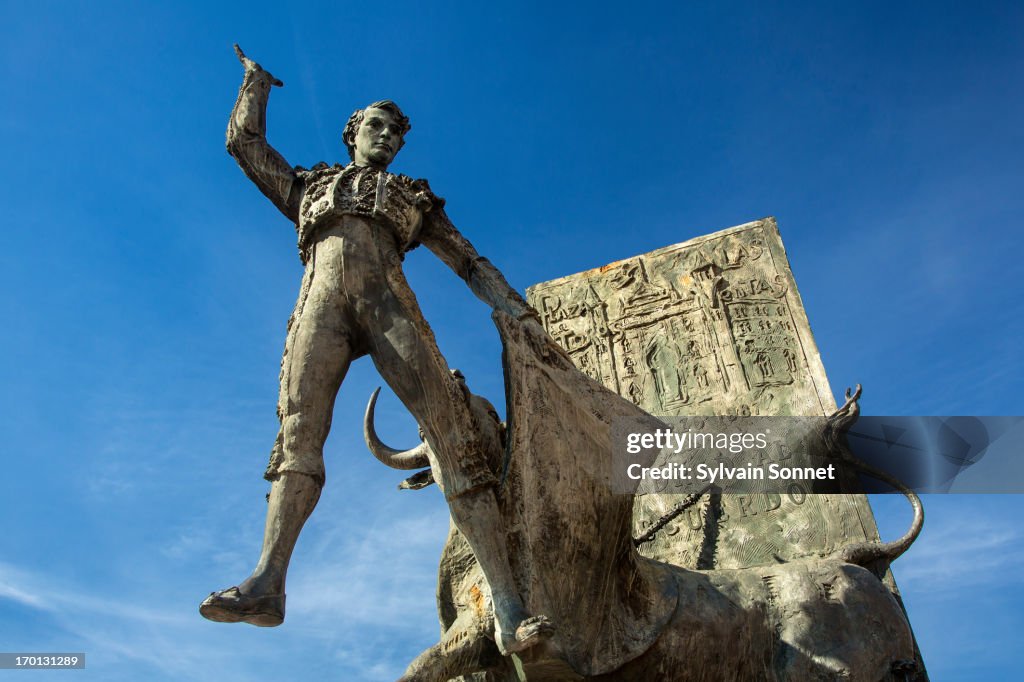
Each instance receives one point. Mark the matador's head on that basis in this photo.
(375, 134)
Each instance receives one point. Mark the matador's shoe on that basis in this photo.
(231, 606)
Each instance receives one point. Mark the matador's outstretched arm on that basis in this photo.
(247, 141)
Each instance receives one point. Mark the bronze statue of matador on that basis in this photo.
(355, 223)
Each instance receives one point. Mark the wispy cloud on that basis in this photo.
(374, 621)
(345, 573)
(960, 554)
(9, 589)
(108, 627)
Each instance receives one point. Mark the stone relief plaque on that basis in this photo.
(711, 326)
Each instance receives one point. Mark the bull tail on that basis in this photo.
(864, 553)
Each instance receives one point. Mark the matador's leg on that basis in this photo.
(405, 352)
(317, 356)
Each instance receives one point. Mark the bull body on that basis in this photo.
(619, 616)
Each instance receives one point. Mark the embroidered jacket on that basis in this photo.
(397, 200)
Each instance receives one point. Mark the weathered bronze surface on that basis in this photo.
(711, 326)
(541, 578)
(355, 223)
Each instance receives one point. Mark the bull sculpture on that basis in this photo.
(619, 616)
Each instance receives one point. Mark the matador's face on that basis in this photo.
(378, 139)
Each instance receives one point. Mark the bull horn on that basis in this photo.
(415, 458)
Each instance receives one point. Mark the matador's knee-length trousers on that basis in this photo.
(355, 301)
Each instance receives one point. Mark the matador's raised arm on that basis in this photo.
(247, 141)
(485, 280)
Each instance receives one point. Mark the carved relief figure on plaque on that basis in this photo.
(764, 342)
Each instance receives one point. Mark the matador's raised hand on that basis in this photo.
(250, 65)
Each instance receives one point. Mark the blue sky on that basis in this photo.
(147, 283)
